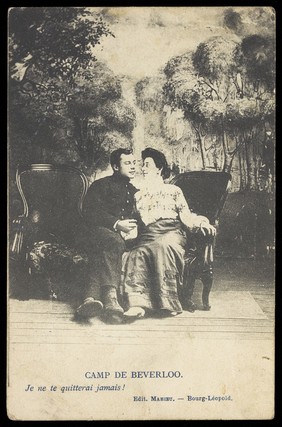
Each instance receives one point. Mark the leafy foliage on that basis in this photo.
(149, 93)
(65, 106)
(225, 89)
(214, 58)
(233, 21)
(258, 59)
(118, 115)
(59, 40)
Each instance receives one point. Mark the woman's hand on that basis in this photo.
(197, 222)
(207, 229)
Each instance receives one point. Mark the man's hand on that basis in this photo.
(126, 225)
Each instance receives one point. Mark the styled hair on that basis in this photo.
(116, 154)
(159, 159)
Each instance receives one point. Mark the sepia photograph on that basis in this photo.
(141, 213)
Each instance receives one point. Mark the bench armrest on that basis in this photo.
(23, 231)
(199, 247)
(16, 238)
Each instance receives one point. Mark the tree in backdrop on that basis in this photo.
(102, 118)
(221, 94)
(183, 90)
(249, 21)
(149, 93)
(58, 40)
(65, 107)
(256, 59)
(151, 102)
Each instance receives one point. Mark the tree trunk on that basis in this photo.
(251, 184)
(79, 129)
(83, 130)
(228, 155)
(202, 149)
(201, 144)
(226, 160)
(242, 172)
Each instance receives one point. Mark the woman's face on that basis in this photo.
(150, 169)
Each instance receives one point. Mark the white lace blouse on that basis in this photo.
(164, 201)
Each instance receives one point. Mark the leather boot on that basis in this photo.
(89, 308)
(190, 306)
(111, 304)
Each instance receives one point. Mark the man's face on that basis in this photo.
(127, 166)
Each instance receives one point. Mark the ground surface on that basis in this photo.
(243, 307)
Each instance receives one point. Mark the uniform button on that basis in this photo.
(122, 217)
(127, 201)
(122, 209)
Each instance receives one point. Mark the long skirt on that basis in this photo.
(153, 269)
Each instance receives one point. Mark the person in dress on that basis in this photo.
(154, 267)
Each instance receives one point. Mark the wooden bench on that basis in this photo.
(43, 256)
(205, 193)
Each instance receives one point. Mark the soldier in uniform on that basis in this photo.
(108, 215)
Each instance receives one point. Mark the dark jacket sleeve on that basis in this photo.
(95, 211)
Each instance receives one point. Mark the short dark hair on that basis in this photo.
(116, 154)
(159, 159)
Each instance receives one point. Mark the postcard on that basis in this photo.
(141, 213)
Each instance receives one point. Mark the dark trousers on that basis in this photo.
(104, 249)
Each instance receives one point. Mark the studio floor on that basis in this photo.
(242, 300)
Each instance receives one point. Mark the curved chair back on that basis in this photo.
(52, 195)
(204, 191)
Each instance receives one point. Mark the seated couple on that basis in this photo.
(113, 209)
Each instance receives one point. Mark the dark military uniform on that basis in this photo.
(108, 200)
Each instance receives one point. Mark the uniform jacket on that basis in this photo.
(108, 200)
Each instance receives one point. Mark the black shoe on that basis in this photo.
(89, 308)
(112, 318)
(111, 304)
(190, 306)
